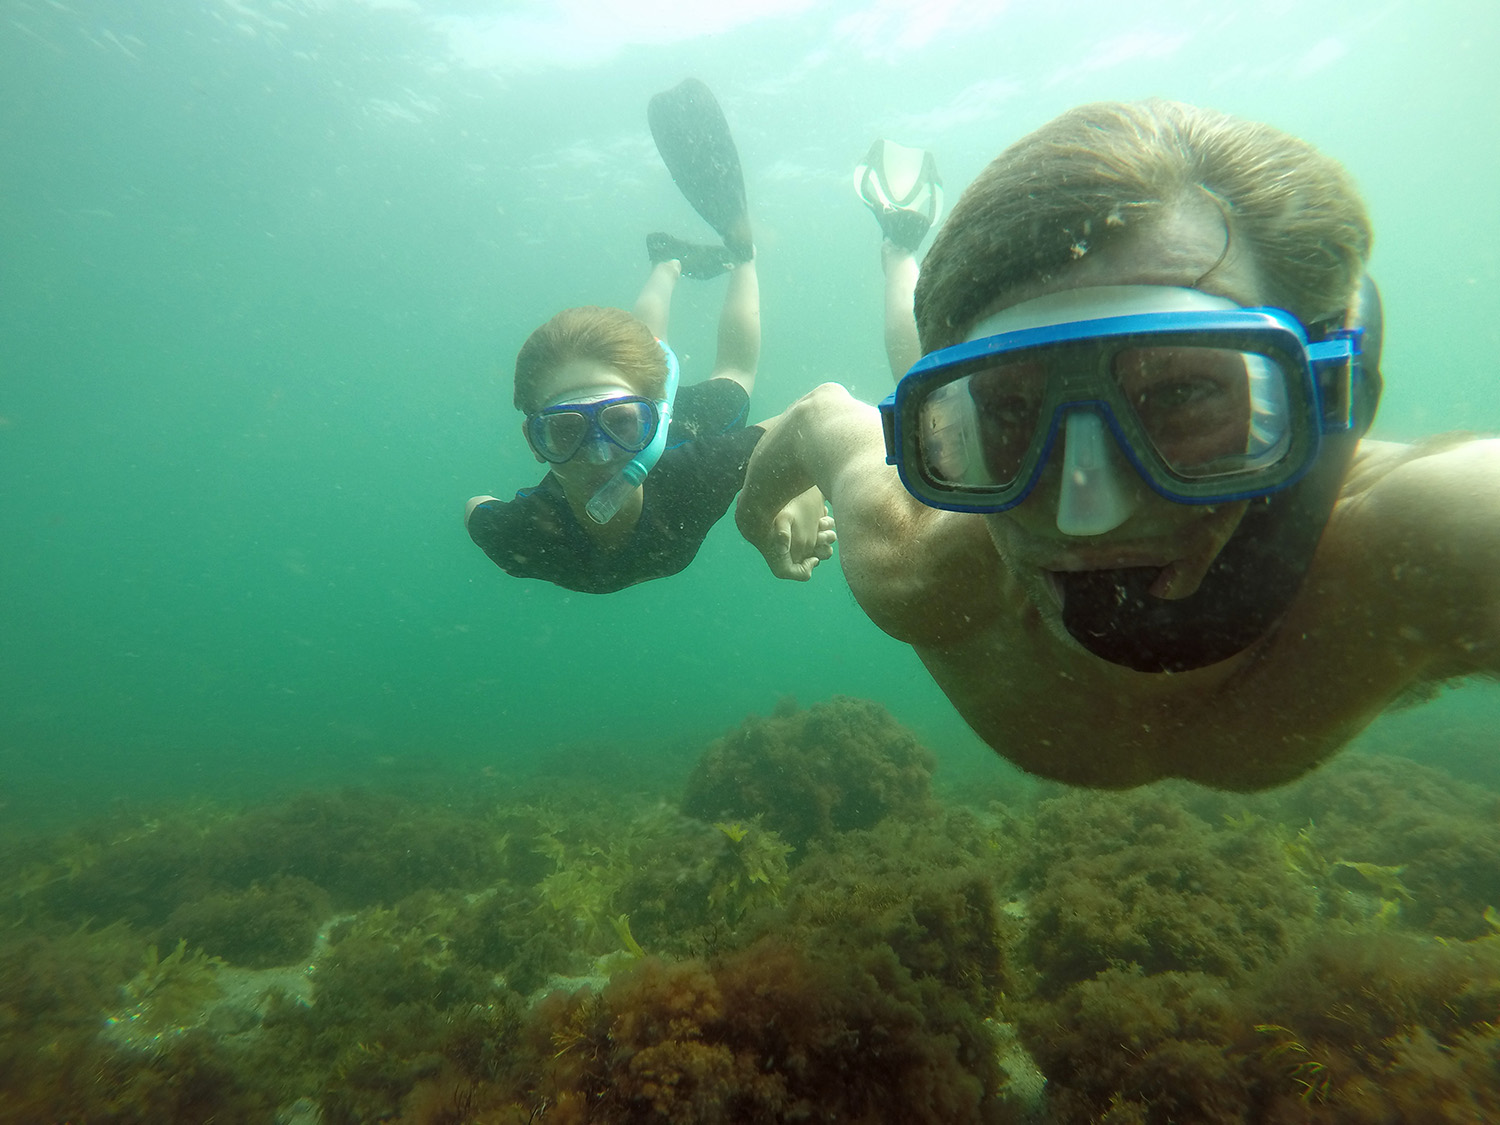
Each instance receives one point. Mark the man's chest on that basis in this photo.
(1269, 714)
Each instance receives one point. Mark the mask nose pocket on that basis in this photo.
(1092, 498)
(597, 451)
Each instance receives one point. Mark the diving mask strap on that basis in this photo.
(605, 504)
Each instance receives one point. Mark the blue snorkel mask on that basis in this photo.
(605, 504)
(1207, 403)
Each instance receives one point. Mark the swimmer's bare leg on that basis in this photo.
(654, 304)
(739, 328)
(902, 348)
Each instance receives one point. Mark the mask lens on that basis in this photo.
(1207, 411)
(630, 424)
(557, 435)
(1008, 400)
(977, 430)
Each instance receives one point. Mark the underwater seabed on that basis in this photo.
(801, 931)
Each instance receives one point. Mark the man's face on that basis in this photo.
(1181, 247)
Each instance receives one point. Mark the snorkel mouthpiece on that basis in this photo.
(605, 504)
(1092, 500)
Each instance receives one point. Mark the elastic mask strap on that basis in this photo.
(1368, 315)
(1363, 322)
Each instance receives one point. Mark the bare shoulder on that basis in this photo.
(1418, 531)
(1449, 480)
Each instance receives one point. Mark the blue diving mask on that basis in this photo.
(606, 503)
(600, 423)
(1208, 402)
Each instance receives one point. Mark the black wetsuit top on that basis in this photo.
(536, 535)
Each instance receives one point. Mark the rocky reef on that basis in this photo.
(805, 934)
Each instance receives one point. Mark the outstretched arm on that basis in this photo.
(917, 571)
(474, 502)
(804, 533)
(804, 448)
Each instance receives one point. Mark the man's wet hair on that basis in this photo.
(1100, 170)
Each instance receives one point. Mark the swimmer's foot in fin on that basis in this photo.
(698, 262)
(902, 187)
(696, 146)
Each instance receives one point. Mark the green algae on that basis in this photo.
(1325, 952)
(167, 996)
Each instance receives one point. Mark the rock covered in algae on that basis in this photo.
(838, 766)
(772, 1033)
(1134, 878)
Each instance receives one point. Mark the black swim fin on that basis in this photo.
(695, 144)
(902, 187)
(699, 262)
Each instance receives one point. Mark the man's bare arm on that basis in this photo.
(922, 575)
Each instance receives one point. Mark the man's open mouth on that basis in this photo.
(1052, 579)
(1158, 580)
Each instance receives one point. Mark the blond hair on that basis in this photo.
(1096, 171)
(610, 336)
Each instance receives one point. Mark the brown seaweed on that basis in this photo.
(811, 936)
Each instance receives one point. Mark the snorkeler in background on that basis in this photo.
(1124, 508)
(641, 469)
(903, 190)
